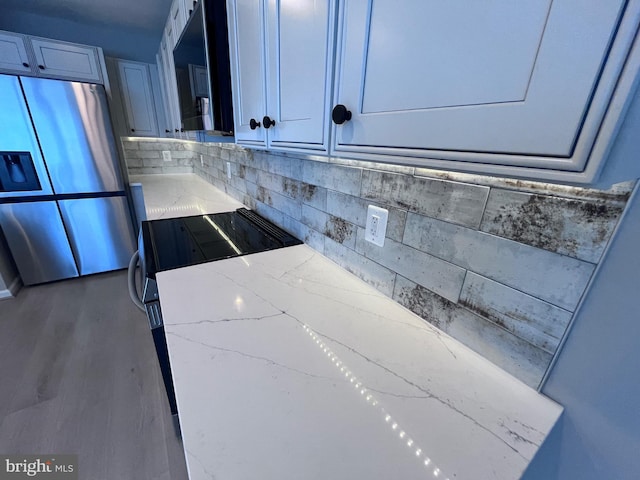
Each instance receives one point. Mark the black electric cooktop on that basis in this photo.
(180, 242)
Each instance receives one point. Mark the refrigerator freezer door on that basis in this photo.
(38, 242)
(74, 127)
(100, 232)
(17, 135)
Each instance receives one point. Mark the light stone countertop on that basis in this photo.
(181, 195)
(286, 366)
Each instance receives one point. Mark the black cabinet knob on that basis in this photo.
(176, 130)
(340, 114)
(166, 130)
(267, 122)
(195, 2)
(253, 124)
(133, 129)
(41, 67)
(25, 64)
(190, 12)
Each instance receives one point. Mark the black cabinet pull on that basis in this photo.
(25, 64)
(190, 12)
(340, 114)
(182, 130)
(41, 67)
(195, 2)
(267, 122)
(253, 124)
(176, 130)
(166, 130)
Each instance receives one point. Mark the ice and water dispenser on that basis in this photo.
(17, 172)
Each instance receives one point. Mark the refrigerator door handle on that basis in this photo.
(131, 281)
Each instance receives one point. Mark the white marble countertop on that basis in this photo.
(286, 366)
(181, 195)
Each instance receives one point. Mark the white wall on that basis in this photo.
(596, 376)
(623, 162)
(124, 43)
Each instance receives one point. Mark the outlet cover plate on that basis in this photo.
(229, 170)
(376, 225)
(166, 155)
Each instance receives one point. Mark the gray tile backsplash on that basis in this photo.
(498, 264)
(439, 276)
(145, 157)
(555, 278)
(380, 277)
(513, 354)
(335, 177)
(454, 202)
(534, 320)
(568, 226)
(354, 210)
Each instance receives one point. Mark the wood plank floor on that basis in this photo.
(78, 374)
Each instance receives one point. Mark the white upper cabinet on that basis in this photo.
(246, 49)
(168, 126)
(178, 21)
(42, 57)
(66, 60)
(299, 68)
(188, 8)
(170, 81)
(13, 54)
(137, 97)
(281, 66)
(496, 87)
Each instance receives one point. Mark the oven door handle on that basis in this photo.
(131, 280)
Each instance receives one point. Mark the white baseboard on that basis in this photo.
(12, 290)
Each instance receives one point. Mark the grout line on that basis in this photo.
(484, 209)
(393, 289)
(464, 280)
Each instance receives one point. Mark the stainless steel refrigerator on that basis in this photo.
(63, 206)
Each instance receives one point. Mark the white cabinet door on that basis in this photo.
(65, 60)
(13, 54)
(246, 49)
(188, 7)
(170, 81)
(137, 97)
(167, 127)
(178, 20)
(511, 83)
(299, 68)
(170, 33)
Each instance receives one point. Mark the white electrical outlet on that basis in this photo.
(166, 155)
(201, 161)
(229, 170)
(376, 225)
